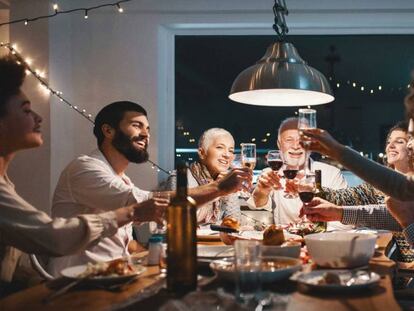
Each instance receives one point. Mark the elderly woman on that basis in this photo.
(23, 228)
(216, 153)
(398, 186)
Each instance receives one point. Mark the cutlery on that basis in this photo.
(223, 229)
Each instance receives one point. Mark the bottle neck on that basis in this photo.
(318, 179)
(182, 182)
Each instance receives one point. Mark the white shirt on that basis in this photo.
(90, 185)
(287, 210)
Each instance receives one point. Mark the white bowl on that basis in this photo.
(341, 249)
(292, 249)
(273, 268)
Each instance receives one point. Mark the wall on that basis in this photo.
(31, 171)
(130, 56)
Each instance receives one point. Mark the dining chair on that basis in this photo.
(38, 264)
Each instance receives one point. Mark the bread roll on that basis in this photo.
(273, 235)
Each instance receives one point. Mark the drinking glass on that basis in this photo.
(248, 154)
(162, 228)
(306, 120)
(274, 159)
(238, 163)
(307, 188)
(163, 259)
(248, 268)
(290, 171)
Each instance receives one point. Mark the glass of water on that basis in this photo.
(248, 269)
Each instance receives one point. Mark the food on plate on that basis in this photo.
(273, 235)
(304, 228)
(231, 223)
(329, 278)
(117, 267)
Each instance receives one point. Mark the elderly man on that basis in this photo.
(269, 194)
(97, 182)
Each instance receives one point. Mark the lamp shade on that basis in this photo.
(281, 78)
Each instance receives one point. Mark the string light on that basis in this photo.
(44, 85)
(58, 12)
(120, 9)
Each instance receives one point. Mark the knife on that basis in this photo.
(223, 229)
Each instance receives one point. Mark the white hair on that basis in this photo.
(208, 136)
(288, 124)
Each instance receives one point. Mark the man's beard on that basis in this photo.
(125, 145)
(293, 162)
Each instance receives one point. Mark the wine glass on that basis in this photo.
(306, 120)
(248, 157)
(248, 154)
(274, 159)
(307, 188)
(238, 163)
(290, 171)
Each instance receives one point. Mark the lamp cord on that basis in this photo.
(279, 11)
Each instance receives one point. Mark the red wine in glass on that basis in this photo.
(290, 174)
(306, 196)
(275, 164)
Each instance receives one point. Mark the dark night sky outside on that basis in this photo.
(207, 65)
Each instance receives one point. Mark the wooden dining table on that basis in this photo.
(147, 293)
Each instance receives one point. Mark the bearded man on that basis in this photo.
(97, 182)
(269, 193)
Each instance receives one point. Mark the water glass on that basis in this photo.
(161, 228)
(248, 269)
(237, 163)
(248, 154)
(307, 119)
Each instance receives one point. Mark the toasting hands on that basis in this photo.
(322, 142)
(403, 212)
(236, 179)
(151, 210)
(321, 210)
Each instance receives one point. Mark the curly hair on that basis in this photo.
(409, 99)
(12, 76)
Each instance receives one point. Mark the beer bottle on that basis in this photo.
(181, 238)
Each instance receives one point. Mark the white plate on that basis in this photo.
(224, 268)
(311, 280)
(75, 272)
(214, 251)
(258, 235)
(206, 231)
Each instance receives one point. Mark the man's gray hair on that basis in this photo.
(207, 137)
(288, 124)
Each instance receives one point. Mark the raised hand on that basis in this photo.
(321, 210)
(321, 141)
(403, 212)
(151, 210)
(235, 180)
(267, 181)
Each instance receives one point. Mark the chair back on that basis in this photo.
(38, 264)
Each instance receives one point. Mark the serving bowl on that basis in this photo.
(287, 249)
(341, 249)
(274, 268)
